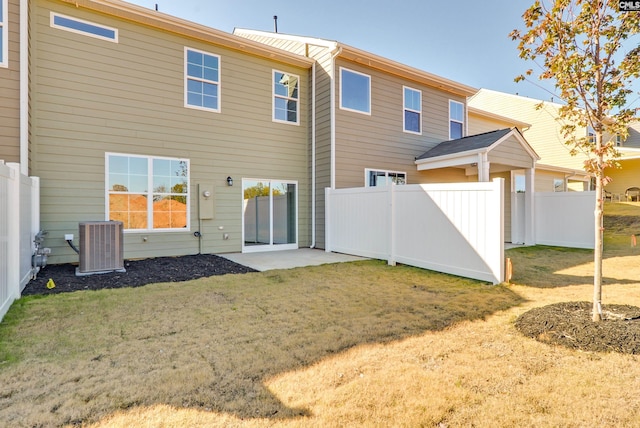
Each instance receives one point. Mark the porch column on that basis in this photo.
(529, 207)
(483, 167)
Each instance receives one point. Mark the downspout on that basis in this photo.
(24, 87)
(313, 154)
(334, 54)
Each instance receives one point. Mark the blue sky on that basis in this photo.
(463, 40)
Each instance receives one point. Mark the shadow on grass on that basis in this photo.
(213, 343)
(540, 266)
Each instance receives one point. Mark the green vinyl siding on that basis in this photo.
(511, 153)
(378, 141)
(10, 87)
(91, 97)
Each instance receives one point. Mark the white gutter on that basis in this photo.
(313, 155)
(24, 88)
(334, 54)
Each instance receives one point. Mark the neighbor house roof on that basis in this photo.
(190, 29)
(372, 60)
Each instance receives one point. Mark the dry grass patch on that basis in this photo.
(212, 343)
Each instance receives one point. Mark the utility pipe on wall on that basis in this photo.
(334, 54)
(24, 88)
(313, 152)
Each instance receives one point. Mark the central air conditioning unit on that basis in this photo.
(101, 247)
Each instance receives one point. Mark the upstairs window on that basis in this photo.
(147, 193)
(591, 134)
(374, 177)
(85, 28)
(4, 39)
(456, 120)
(202, 80)
(412, 110)
(355, 91)
(285, 97)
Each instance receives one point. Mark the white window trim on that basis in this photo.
(591, 134)
(386, 171)
(404, 108)
(368, 113)
(274, 96)
(187, 77)
(149, 199)
(4, 28)
(52, 16)
(456, 120)
(272, 246)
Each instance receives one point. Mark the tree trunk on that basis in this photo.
(599, 244)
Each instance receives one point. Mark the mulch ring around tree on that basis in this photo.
(569, 324)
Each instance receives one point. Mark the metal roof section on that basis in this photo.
(374, 61)
(169, 23)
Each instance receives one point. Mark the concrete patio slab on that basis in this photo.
(287, 259)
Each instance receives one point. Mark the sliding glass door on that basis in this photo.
(270, 215)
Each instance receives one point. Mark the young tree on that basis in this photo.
(581, 45)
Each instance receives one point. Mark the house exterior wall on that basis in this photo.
(10, 88)
(622, 179)
(377, 140)
(511, 153)
(92, 96)
(633, 140)
(362, 141)
(479, 124)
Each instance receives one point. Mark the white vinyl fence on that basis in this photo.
(452, 228)
(565, 219)
(19, 223)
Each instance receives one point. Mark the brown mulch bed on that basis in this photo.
(138, 273)
(569, 324)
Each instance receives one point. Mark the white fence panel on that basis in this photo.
(9, 269)
(451, 228)
(359, 221)
(565, 219)
(29, 225)
(19, 223)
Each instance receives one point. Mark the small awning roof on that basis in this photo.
(508, 145)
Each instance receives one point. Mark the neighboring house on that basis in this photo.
(171, 127)
(373, 117)
(557, 170)
(629, 174)
(10, 66)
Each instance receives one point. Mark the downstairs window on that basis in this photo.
(147, 193)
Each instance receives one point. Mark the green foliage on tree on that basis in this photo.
(588, 49)
(259, 190)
